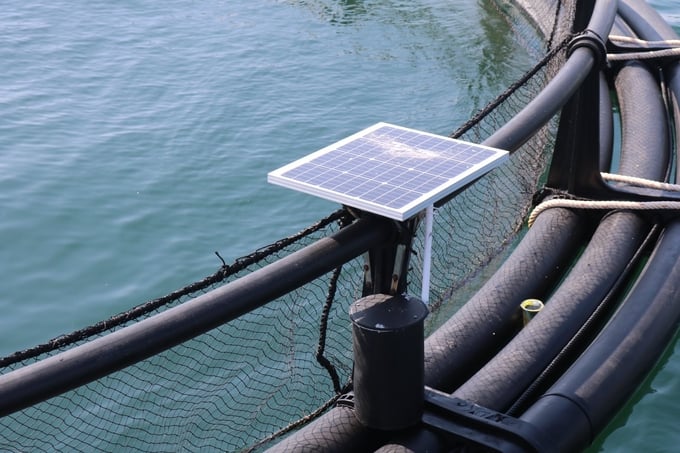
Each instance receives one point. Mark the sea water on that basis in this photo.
(135, 139)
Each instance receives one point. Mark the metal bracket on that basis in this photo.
(368, 274)
(385, 268)
(398, 267)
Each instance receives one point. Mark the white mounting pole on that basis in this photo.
(427, 255)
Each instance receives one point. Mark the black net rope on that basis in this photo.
(321, 348)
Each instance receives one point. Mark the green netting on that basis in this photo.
(235, 386)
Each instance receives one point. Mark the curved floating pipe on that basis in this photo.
(644, 154)
(585, 394)
(465, 342)
(600, 382)
(649, 25)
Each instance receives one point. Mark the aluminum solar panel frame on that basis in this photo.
(389, 170)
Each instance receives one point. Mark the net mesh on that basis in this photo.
(271, 370)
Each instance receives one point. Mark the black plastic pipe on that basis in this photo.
(57, 374)
(481, 327)
(628, 347)
(606, 124)
(596, 387)
(600, 267)
(649, 25)
(545, 105)
(337, 431)
(559, 90)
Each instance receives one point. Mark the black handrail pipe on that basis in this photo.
(85, 363)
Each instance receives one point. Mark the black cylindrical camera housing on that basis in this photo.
(387, 334)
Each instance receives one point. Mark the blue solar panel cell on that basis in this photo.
(389, 170)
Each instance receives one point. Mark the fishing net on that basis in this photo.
(273, 369)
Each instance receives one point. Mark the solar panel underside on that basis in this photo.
(389, 170)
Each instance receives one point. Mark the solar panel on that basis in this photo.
(389, 170)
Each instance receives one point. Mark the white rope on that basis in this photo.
(643, 43)
(646, 55)
(672, 49)
(641, 182)
(589, 204)
(630, 205)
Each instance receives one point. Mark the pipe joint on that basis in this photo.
(591, 40)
